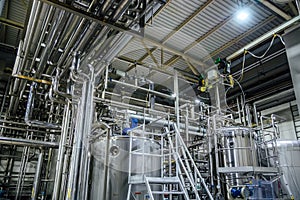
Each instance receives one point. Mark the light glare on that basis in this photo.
(242, 15)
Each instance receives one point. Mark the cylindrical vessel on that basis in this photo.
(239, 147)
(143, 163)
(290, 164)
(238, 150)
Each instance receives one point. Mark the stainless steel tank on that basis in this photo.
(289, 151)
(238, 149)
(116, 174)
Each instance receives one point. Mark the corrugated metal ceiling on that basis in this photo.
(203, 29)
(14, 10)
(212, 30)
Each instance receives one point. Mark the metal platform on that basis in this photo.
(244, 169)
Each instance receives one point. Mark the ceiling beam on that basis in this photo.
(178, 28)
(237, 39)
(11, 23)
(273, 8)
(175, 58)
(187, 20)
(264, 37)
(135, 34)
(293, 8)
(132, 61)
(193, 68)
(150, 53)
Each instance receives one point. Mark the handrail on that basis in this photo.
(192, 161)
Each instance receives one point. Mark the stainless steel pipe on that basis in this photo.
(27, 142)
(37, 177)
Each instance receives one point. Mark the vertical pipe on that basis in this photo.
(176, 91)
(187, 125)
(217, 98)
(88, 119)
(106, 164)
(218, 187)
(37, 177)
(61, 152)
(210, 150)
(33, 21)
(239, 109)
(21, 172)
(248, 114)
(105, 82)
(255, 114)
(243, 111)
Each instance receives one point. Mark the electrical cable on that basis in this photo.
(225, 100)
(244, 98)
(243, 66)
(263, 55)
(281, 39)
(256, 56)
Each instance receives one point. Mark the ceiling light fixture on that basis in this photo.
(242, 15)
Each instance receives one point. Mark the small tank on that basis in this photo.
(238, 150)
(117, 173)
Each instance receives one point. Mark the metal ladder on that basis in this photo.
(174, 182)
(162, 185)
(186, 167)
(183, 182)
(296, 119)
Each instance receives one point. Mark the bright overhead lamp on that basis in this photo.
(242, 15)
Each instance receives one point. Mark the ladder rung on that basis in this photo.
(167, 192)
(163, 180)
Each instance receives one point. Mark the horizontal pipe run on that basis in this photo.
(32, 79)
(133, 33)
(274, 97)
(26, 142)
(144, 89)
(264, 37)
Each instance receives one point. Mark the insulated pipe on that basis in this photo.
(28, 112)
(164, 122)
(106, 6)
(144, 89)
(37, 177)
(32, 27)
(54, 34)
(61, 152)
(19, 85)
(71, 43)
(46, 10)
(121, 9)
(88, 118)
(41, 39)
(106, 164)
(27, 143)
(133, 33)
(76, 179)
